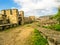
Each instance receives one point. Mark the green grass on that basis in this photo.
(57, 27)
(45, 26)
(53, 27)
(37, 39)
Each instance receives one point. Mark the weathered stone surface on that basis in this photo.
(52, 35)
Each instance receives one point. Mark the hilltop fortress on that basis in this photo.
(11, 16)
(14, 17)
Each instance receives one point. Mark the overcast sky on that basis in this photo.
(32, 7)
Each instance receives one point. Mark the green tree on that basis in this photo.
(57, 16)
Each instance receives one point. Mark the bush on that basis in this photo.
(57, 27)
(45, 26)
(53, 27)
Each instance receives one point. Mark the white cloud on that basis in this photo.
(13, 8)
(31, 7)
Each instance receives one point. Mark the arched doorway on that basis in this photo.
(20, 20)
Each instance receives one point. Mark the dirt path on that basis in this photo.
(21, 39)
(16, 36)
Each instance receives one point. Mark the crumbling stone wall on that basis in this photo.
(21, 15)
(26, 20)
(32, 18)
(12, 15)
(3, 19)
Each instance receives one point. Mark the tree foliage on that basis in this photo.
(57, 16)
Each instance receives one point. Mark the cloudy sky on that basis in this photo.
(32, 7)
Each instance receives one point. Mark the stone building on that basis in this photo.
(32, 18)
(29, 19)
(46, 20)
(3, 19)
(14, 16)
(26, 20)
(21, 17)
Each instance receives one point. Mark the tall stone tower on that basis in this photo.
(21, 13)
(8, 13)
(14, 16)
(3, 12)
(3, 17)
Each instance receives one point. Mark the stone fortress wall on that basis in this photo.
(14, 17)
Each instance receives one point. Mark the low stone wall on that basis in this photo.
(53, 37)
(50, 40)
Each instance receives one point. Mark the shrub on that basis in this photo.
(57, 27)
(45, 26)
(51, 27)
(54, 27)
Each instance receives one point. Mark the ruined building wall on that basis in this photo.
(3, 19)
(14, 16)
(3, 12)
(26, 20)
(8, 13)
(32, 18)
(21, 13)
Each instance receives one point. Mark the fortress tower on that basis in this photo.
(3, 17)
(8, 13)
(13, 16)
(21, 15)
(3, 12)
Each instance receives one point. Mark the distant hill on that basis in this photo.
(46, 16)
